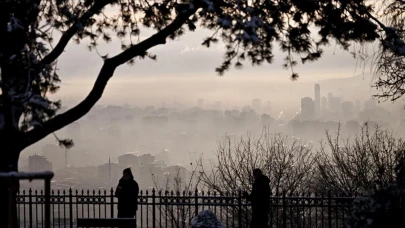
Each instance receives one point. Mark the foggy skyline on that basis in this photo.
(232, 91)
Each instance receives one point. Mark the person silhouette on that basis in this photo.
(127, 194)
(260, 199)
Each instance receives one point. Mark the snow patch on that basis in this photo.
(206, 219)
(23, 175)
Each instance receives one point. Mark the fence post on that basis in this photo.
(284, 210)
(240, 208)
(196, 202)
(30, 205)
(70, 208)
(329, 209)
(154, 207)
(112, 203)
(48, 203)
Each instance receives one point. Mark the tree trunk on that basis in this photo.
(8, 163)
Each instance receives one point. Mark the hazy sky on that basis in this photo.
(185, 71)
(186, 57)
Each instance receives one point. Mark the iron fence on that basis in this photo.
(176, 209)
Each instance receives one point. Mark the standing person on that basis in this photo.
(127, 194)
(260, 199)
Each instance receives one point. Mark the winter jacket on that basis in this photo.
(127, 194)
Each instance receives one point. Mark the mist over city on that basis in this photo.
(157, 125)
(202, 113)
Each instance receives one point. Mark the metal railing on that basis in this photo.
(175, 209)
(12, 178)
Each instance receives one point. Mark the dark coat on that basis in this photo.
(260, 196)
(127, 194)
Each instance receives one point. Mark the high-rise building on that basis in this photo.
(257, 105)
(307, 108)
(324, 104)
(334, 103)
(317, 99)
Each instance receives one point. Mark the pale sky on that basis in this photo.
(187, 57)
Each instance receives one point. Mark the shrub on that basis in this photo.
(206, 219)
(384, 207)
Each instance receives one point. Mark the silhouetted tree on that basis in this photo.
(289, 164)
(387, 56)
(172, 186)
(358, 165)
(383, 207)
(249, 29)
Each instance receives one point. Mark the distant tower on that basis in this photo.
(317, 99)
(109, 171)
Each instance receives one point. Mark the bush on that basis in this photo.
(206, 219)
(348, 166)
(385, 207)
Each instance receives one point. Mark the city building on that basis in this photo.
(37, 163)
(109, 173)
(267, 108)
(257, 105)
(176, 172)
(370, 104)
(324, 104)
(128, 160)
(163, 156)
(307, 108)
(317, 100)
(155, 121)
(145, 159)
(266, 119)
(334, 103)
(347, 110)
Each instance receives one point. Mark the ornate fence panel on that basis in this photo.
(176, 209)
